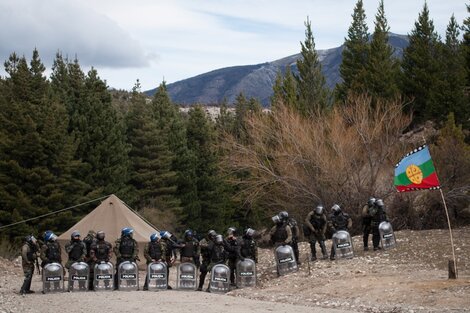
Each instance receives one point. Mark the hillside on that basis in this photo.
(411, 278)
(256, 80)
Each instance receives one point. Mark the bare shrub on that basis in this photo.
(342, 156)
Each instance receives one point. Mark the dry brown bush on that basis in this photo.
(343, 156)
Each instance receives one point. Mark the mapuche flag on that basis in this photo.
(416, 171)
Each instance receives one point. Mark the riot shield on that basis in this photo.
(343, 245)
(246, 273)
(79, 276)
(387, 236)
(156, 275)
(220, 279)
(186, 276)
(285, 260)
(53, 278)
(128, 276)
(104, 277)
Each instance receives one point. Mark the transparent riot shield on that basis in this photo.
(53, 278)
(104, 277)
(220, 279)
(79, 275)
(343, 245)
(387, 236)
(246, 273)
(156, 275)
(285, 260)
(128, 276)
(186, 276)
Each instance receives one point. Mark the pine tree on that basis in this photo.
(209, 210)
(451, 96)
(313, 93)
(172, 128)
(285, 91)
(355, 56)
(466, 45)
(37, 166)
(382, 69)
(151, 175)
(102, 143)
(420, 68)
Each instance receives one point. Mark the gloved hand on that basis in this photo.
(242, 259)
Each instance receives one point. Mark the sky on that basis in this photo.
(155, 40)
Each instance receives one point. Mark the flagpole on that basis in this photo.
(450, 231)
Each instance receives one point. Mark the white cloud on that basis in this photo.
(178, 39)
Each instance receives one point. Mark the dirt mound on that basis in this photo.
(410, 278)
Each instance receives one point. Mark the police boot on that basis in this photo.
(323, 250)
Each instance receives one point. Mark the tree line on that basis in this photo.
(63, 140)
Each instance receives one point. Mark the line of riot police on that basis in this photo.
(90, 268)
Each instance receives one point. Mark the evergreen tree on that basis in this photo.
(420, 68)
(243, 108)
(466, 45)
(451, 96)
(209, 209)
(313, 93)
(151, 175)
(382, 69)
(173, 130)
(107, 150)
(37, 166)
(355, 56)
(285, 90)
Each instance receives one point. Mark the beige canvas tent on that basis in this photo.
(111, 216)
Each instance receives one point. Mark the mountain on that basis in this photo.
(256, 80)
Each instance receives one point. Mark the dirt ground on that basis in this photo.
(410, 278)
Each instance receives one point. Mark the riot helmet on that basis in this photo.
(276, 219)
(283, 215)
(127, 232)
(211, 234)
(50, 237)
(371, 201)
(231, 231)
(379, 203)
(154, 237)
(249, 232)
(319, 210)
(46, 234)
(336, 209)
(165, 234)
(91, 233)
(75, 235)
(188, 234)
(100, 235)
(219, 239)
(30, 239)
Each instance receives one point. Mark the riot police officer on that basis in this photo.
(125, 249)
(366, 221)
(189, 249)
(316, 224)
(284, 215)
(232, 246)
(206, 256)
(100, 251)
(154, 251)
(170, 242)
(281, 232)
(51, 250)
(29, 255)
(75, 249)
(249, 247)
(338, 221)
(218, 254)
(378, 216)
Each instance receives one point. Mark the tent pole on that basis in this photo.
(450, 231)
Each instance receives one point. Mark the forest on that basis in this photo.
(67, 139)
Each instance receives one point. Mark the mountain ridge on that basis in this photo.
(256, 80)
